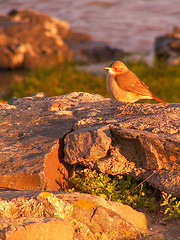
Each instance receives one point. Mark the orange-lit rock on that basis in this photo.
(61, 216)
(32, 146)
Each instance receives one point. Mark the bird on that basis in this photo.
(125, 86)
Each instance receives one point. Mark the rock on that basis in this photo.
(43, 138)
(167, 47)
(31, 150)
(32, 39)
(87, 144)
(38, 228)
(35, 214)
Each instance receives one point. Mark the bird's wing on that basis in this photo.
(130, 82)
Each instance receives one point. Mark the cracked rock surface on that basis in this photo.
(43, 138)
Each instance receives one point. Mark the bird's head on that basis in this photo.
(116, 68)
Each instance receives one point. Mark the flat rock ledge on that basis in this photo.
(44, 138)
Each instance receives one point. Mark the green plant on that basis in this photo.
(172, 205)
(55, 81)
(163, 81)
(115, 188)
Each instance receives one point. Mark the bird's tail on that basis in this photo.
(159, 100)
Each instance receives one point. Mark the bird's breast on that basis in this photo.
(119, 94)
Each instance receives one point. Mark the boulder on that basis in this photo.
(31, 148)
(65, 216)
(167, 47)
(43, 138)
(32, 39)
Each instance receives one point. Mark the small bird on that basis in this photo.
(125, 86)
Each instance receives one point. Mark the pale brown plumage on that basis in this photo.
(125, 86)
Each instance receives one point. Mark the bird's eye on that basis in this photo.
(117, 69)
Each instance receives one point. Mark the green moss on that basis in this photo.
(124, 189)
(115, 188)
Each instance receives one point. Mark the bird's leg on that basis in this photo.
(124, 108)
(132, 104)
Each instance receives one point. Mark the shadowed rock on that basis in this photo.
(167, 47)
(87, 144)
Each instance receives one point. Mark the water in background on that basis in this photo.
(130, 25)
(125, 24)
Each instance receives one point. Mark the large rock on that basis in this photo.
(167, 47)
(43, 138)
(66, 216)
(32, 145)
(30, 39)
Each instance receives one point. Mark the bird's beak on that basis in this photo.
(107, 68)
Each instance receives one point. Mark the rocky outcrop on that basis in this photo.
(43, 139)
(31, 39)
(66, 216)
(167, 47)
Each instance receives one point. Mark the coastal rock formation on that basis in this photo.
(44, 138)
(30, 39)
(167, 47)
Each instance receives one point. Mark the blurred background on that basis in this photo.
(130, 26)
